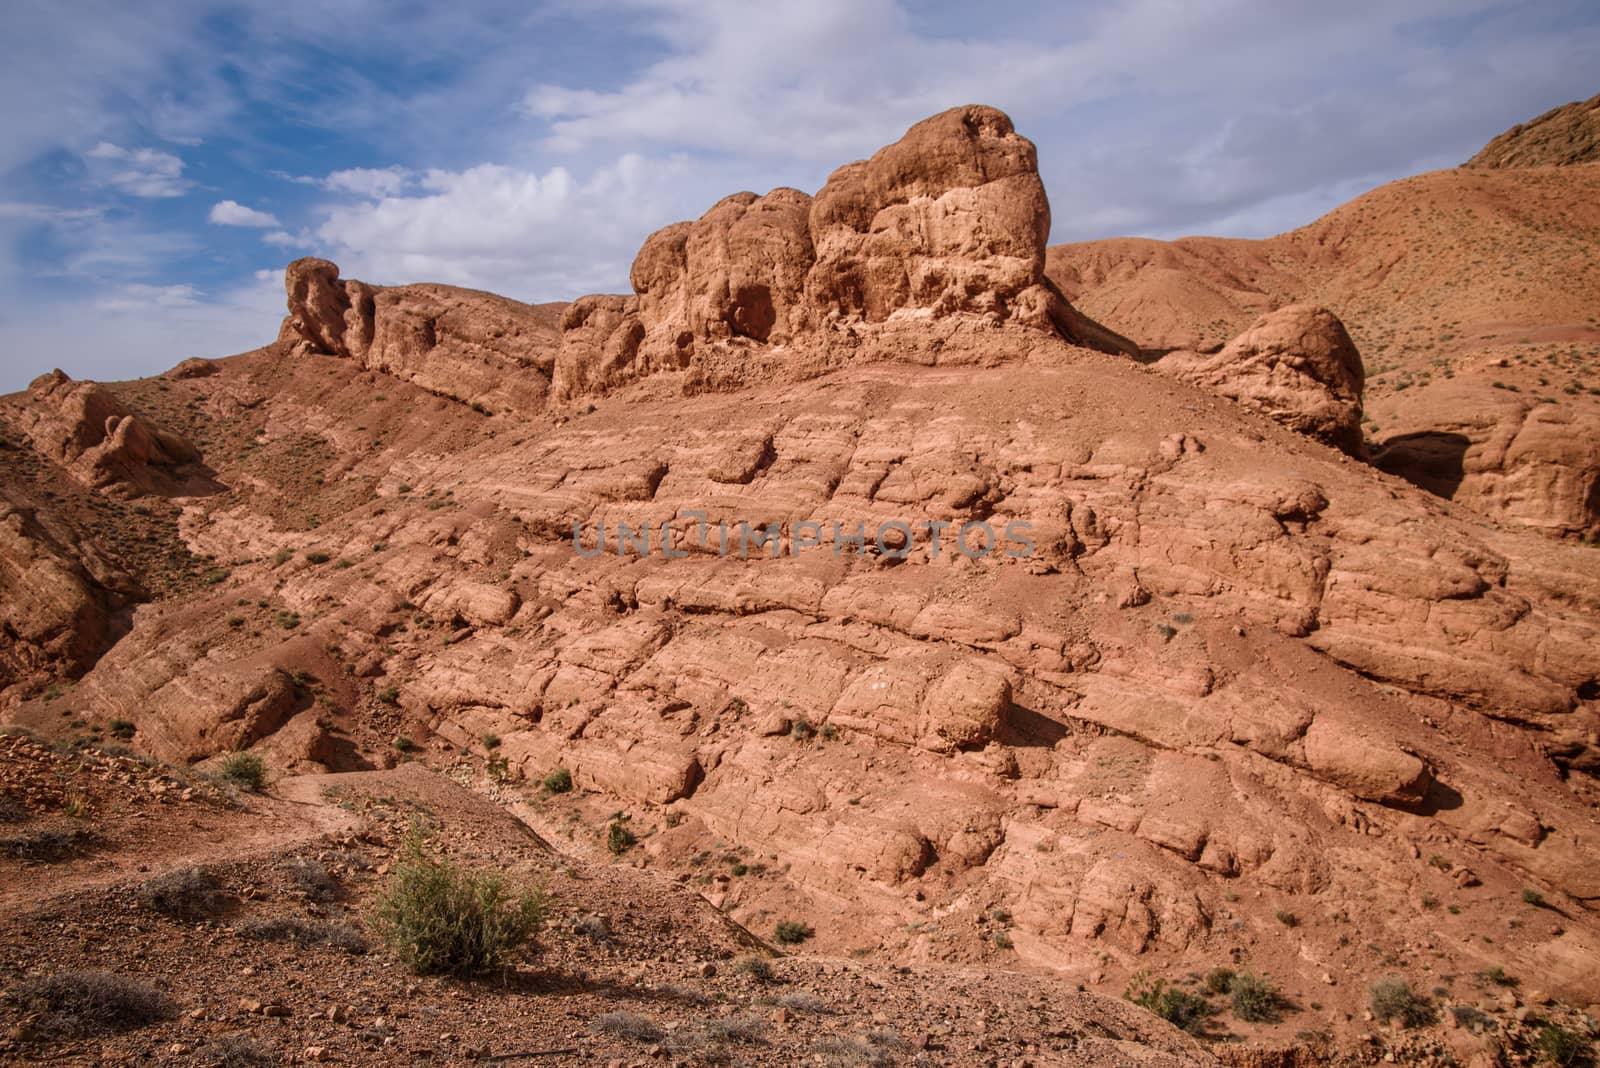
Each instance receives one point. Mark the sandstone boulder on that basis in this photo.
(1296, 364)
(1367, 766)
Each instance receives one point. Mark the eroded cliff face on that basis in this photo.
(1237, 673)
(473, 347)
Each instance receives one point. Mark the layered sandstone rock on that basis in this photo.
(1563, 136)
(948, 224)
(55, 616)
(1296, 364)
(1501, 452)
(84, 427)
(475, 347)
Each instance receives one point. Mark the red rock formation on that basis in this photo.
(1296, 364)
(84, 427)
(948, 225)
(475, 347)
(1241, 676)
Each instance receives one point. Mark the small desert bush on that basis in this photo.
(313, 879)
(239, 1050)
(802, 1001)
(1255, 998)
(1217, 980)
(619, 839)
(47, 845)
(244, 770)
(442, 919)
(755, 967)
(845, 1052)
(1530, 896)
(745, 1030)
(1563, 1047)
(558, 781)
(629, 1025)
(304, 932)
(1179, 1007)
(317, 557)
(792, 932)
(1393, 999)
(1497, 975)
(1467, 1016)
(78, 1003)
(184, 894)
(593, 927)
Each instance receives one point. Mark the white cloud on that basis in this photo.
(232, 213)
(368, 181)
(535, 236)
(139, 172)
(282, 239)
(139, 297)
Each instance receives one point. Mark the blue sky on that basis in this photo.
(160, 163)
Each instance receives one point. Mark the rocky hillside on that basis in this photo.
(858, 575)
(1560, 137)
(1470, 295)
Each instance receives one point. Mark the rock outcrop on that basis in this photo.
(55, 614)
(84, 427)
(946, 226)
(1501, 452)
(1296, 364)
(1563, 136)
(478, 348)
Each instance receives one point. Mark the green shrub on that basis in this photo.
(792, 932)
(244, 770)
(317, 557)
(491, 741)
(1393, 999)
(1287, 918)
(619, 839)
(1255, 998)
(123, 729)
(1217, 980)
(1563, 1047)
(1497, 975)
(442, 919)
(558, 781)
(404, 744)
(1177, 1006)
(756, 968)
(1530, 896)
